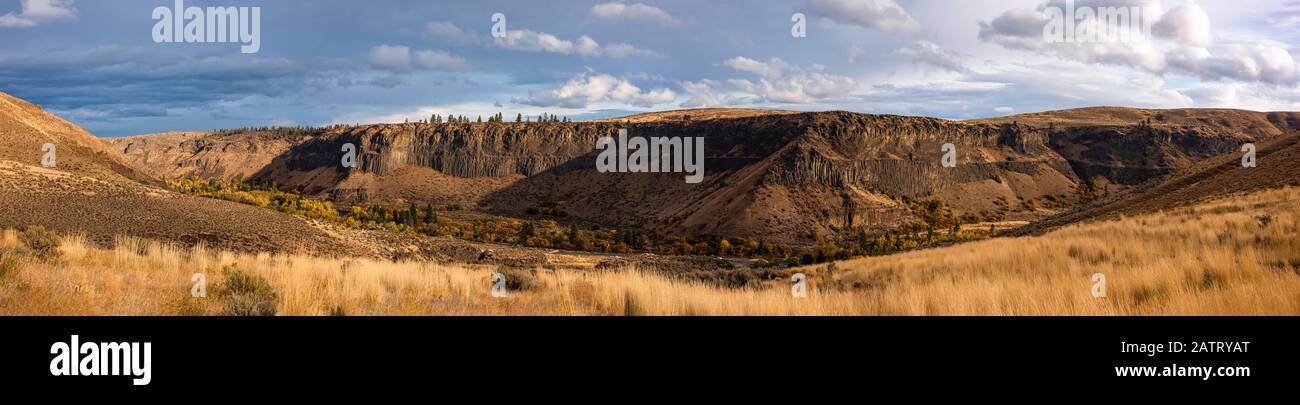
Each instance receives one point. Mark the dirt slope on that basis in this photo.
(1257, 125)
(1278, 163)
(91, 190)
(25, 128)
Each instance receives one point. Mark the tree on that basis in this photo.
(429, 216)
(527, 231)
(519, 118)
(574, 239)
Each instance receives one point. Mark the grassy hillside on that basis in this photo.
(1238, 255)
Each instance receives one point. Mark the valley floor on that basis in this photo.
(1233, 256)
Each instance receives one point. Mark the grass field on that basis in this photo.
(1234, 256)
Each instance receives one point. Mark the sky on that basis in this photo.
(97, 63)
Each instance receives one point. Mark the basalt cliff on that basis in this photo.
(781, 177)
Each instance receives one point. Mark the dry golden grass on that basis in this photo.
(1218, 258)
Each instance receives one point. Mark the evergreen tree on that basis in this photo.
(429, 216)
(519, 118)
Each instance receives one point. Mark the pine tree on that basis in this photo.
(519, 118)
(429, 216)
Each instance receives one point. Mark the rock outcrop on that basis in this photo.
(783, 177)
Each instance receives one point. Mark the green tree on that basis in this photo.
(574, 238)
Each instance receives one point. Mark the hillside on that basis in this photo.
(181, 154)
(696, 114)
(785, 177)
(777, 176)
(1216, 258)
(1278, 166)
(1249, 123)
(26, 127)
(93, 191)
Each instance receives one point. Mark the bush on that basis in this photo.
(8, 264)
(246, 294)
(521, 280)
(43, 243)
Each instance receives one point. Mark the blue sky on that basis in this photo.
(321, 62)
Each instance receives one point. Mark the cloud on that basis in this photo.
(1188, 24)
(1286, 19)
(929, 53)
(1256, 62)
(531, 41)
(400, 59)
(703, 93)
(883, 15)
(772, 69)
(1181, 43)
(447, 32)
(781, 82)
(1246, 96)
(37, 12)
(995, 90)
(633, 12)
(583, 89)
(623, 50)
(110, 83)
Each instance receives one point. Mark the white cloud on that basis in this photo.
(772, 69)
(400, 59)
(781, 82)
(1189, 25)
(448, 32)
(623, 50)
(1181, 43)
(929, 53)
(703, 93)
(37, 12)
(1246, 96)
(531, 41)
(633, 12)
(1255, 62)
(586, 88)
(883, 15)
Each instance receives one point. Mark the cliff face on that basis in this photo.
(786, 178)
(183, 154)
(1131, 155)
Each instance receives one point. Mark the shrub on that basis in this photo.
(8, 264)
(246, 294)
(521, 280)
(43, 243)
